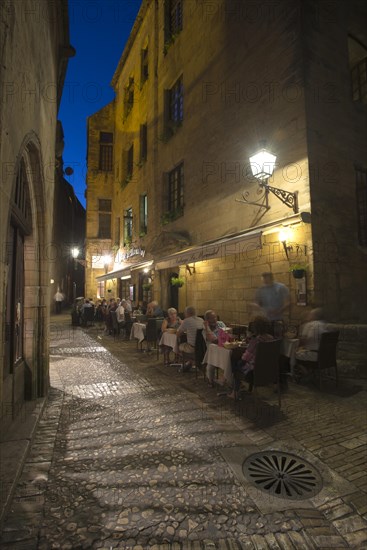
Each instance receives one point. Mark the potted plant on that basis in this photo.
(147, 286)
(177, 281)
(298, 271)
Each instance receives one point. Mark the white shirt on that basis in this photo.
(190, 326)
(120, 314)
(311, 334)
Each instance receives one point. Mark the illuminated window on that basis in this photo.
(128, 226)
(104, 218)
(176, 190)
(361, 188)
(143, 214)
(105, 151)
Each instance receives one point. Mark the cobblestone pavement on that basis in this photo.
(129, 454)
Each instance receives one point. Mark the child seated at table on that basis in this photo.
(245, 366)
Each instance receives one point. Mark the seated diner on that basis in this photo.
(212, 326)
(154, 310)
(310, 336)
(189, 325)
(260, 328)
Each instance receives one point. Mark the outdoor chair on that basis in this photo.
(115, 323)
(326, 356)
(152, 334)
(266, 369)
(88, 316)
(200, 350)
(128, 324)
(196, 356)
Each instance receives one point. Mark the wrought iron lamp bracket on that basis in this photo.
(255, 203)
(287, 198)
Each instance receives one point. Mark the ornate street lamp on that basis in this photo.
(262, 167)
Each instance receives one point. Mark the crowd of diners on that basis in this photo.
(271, 300)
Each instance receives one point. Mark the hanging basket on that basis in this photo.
(298, 273)
(177, 281)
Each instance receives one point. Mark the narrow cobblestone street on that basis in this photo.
(131, 454)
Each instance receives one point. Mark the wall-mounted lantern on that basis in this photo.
(262, 166)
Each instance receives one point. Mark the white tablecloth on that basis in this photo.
(288, 348)
(138, 331)
(168, 339)
(221, 358)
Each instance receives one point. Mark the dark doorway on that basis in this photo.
(173, 292)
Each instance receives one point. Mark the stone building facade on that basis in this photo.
(34, 51)
(67, 273)
(198, 87)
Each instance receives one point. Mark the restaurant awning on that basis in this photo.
(115, 274)
(124, 272)
(227, 246)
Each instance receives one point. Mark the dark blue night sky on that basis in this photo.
(98, 31)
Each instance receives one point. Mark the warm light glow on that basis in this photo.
(106, 259)
(52, 281)
(125, 277)
(146, 269)
(284, 234)
(75, 252)
(262, 164)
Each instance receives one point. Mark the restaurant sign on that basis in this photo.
(131, 252)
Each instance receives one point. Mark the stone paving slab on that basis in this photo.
(127, 455)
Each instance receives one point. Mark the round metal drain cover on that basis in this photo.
(283, 475)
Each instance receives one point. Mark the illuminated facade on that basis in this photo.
(198, 87)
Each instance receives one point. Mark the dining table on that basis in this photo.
(221, 358)
(169, 339)
(138, 331)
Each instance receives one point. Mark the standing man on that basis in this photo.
(273, 299)
(59, 298)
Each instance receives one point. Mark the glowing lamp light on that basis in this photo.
(262, 164)
(75, 252)
(284, 236)
(262, 167)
